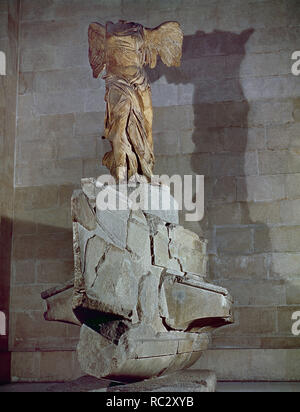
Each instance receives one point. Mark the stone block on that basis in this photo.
(293, 292)
(259, 364)
(239, 267)
(25, 366)
(28, 151)
(261, 15)
(257, 320)
(24, 247)
(226, 214)
(58, 80)
(49, 172)
(293, 186)
(262, 112)
(273, 87)
(161, 247)
(69, 148)
(227, 165)
(56, 126)
(89, 123)
(221, 190)
(26, 106)
(51, 33)
(58, 102)
(285, 238)
(290, 211)
(260, 212)
(169, 118)
(167, 143)
(247, 292)
(25, 297)
(274, 162)
(94, 100)
(261, 188)
(58, 366)
(37, 59)
(234, 240)
(30, 332)
(284, 265)
(54, 246)
(262, 240)
(37, 197)
(282, 137)
(138, 242)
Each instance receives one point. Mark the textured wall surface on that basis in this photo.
(8, 97)
(230, 112)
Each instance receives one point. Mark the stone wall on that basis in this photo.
(230, 112)
(8, 97)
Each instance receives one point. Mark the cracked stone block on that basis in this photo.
(188, 304)
(138, 242)
(115, 287)
(82, 211)
(188, 249)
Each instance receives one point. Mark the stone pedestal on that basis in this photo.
(139, 288)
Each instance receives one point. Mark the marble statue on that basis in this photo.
(123, 50)
(138, 292)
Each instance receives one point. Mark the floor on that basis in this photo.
(86, 383)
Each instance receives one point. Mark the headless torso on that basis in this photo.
(128, 124)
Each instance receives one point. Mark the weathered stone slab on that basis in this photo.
(82, 211)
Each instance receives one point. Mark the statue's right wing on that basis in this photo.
(97, 48)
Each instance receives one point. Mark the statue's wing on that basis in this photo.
(165, 40)
(97, 48)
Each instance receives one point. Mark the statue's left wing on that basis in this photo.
(165, 40)
(96, 48)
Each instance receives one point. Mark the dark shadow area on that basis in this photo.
(5, 275)
(220, 138)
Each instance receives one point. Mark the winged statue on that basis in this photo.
(119, 52)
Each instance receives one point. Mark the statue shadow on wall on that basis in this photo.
(220, 135)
